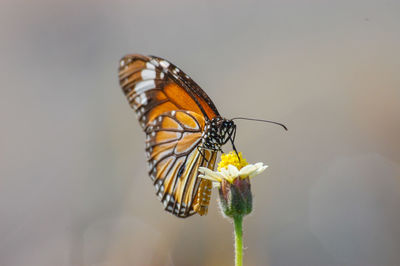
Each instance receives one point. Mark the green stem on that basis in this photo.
(238, 220)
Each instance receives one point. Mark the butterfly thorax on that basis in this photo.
(217, 132)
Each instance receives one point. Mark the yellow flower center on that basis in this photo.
(232, 158)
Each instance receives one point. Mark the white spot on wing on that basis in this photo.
(148, 74)
(154, 62)
(150, 65)
(143, 99)
(164, 64)
(145, 85)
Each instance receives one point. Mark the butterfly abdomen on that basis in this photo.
(203, 197)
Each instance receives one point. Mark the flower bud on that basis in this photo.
(236, 198)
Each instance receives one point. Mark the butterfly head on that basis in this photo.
(227, 130)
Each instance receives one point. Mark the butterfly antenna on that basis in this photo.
(261, 120)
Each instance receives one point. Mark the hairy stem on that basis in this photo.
(238, 221)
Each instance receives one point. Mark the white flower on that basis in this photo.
(231, 173)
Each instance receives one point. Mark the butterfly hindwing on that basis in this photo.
(174, 153)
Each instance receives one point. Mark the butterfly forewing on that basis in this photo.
(207, 106)
(154, 86)
(172, 110)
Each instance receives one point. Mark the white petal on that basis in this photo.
(224, 172)
(218, 176)
(209, 178)
(247, 170)
(203, 170)
(258, 171)
(206, 171)
(233, 171)
(264, 167)
(259, 164)
(209, 174)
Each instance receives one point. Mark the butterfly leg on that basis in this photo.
(201, 149)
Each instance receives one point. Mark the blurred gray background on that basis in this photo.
(74, 188)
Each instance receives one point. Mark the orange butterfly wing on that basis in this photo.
(154, 86)
(172, 109)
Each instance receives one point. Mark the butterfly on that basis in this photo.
(183, 128)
